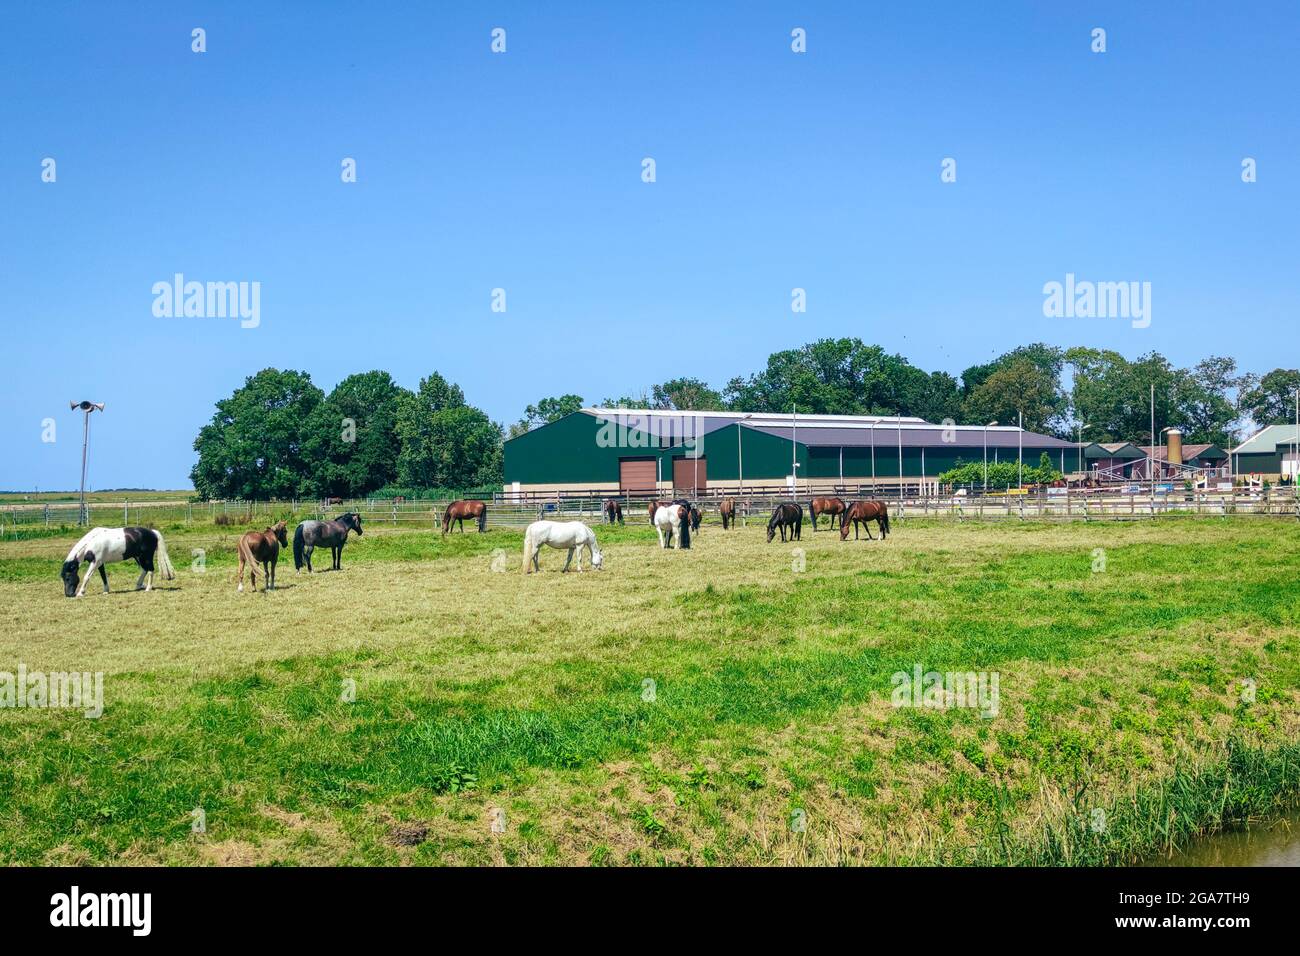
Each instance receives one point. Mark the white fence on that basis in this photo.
(1045, 505)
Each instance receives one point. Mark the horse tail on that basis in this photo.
(528, 548)
(297, 548)
(684, 531)
(162, 560)
(482, 519)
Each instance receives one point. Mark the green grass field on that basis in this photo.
(489, 701)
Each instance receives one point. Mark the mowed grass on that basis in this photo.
(701, 707)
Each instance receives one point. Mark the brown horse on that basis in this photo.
(458, 511)
(786, 515)
(727, 510)
(835, 507)
(262, 547)
(865, 511)
(655, 506)
(613, 509)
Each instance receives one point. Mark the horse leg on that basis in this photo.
(307, 554)
(274, 562)
(139, 582)
(103, 574)
(240, 576)
(90, 571)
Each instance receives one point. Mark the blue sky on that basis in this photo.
(522, 171)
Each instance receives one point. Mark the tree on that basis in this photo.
(1112, 395)
(1015, 389)
(686, 395)
(252, 448)
(1207, 400)
(1270, 400)
(545, 411)
(349, 443)
(837, 377)
(1037, 367)
(444, 442)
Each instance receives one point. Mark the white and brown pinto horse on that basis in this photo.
(101, 546)
(567, 535)
(673, 522)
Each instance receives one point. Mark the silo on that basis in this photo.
(1175, 455)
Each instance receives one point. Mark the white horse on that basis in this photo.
(101, 546)
(573, 535)
(673, 522)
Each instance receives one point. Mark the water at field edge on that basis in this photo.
(1275, 843)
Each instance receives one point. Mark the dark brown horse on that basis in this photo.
(727, 510)
(458, 511)
(696, 518)
(262, 547)
(865, 511)
(786, 515)
(613, 511)
(835, 507)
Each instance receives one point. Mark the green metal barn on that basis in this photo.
(639, 451)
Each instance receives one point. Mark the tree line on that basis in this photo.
(280, 436)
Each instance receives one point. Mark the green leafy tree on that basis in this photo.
(546, 410)
(841, 377)
(1270, 399)
(1207, 401)
(445, 442)
(252, 448)
(988, 389)
(687, 395)
(350, 443)
(1014, 389)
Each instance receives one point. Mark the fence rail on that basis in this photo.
(507, 511)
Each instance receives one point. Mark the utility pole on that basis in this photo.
(87, 408)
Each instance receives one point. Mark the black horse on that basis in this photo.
(331, 534)
(696, 518)
(786, 515)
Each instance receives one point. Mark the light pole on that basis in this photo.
(1082, 426)
(740, 461)
(1020, 474)
(87, 408)
(986, 452)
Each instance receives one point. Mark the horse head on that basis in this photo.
(70, 578)
(281, 532)
(350, 520)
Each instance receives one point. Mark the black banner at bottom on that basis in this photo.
(335, 905)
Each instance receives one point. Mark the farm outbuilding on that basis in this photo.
(613, 450)
(1271, 452)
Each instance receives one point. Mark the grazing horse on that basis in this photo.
(613, 511)
(727, 510)
(458, 511)
(262, 547)
(835, 507)
(570, 535)
(329, 534)
(696, 518)
(101, 546)
(786, 515)
(673, 521)
(865, 511)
